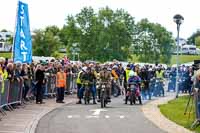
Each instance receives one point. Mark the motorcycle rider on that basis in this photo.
(89, 76)
(144, 74)
(115, 76)
(133, 78)
(160, 73)
(160, 79)
(127, 71)
(79, 84)
(105, 76)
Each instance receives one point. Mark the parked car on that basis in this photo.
(189, 49)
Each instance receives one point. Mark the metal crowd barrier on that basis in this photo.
(51, 86)
(15, 92)
(71, 83)
(4, 93)
(30, 93)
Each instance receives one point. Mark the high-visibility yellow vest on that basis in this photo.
(159, 74)
(78, 80)
(127, 74)
(4, 75)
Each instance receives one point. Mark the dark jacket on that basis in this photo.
(39, 76)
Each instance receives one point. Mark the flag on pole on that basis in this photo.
(22, 49)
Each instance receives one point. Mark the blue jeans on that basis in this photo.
(92, 90)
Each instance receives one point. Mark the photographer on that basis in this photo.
(196, 91)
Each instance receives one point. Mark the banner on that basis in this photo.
(22, 50)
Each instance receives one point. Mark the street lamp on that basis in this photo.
(178, 19)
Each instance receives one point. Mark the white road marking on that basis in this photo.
(94, 116)
(73, 116)
(17, 125)
(10, 132)
(107, 116)
(121, 117)
(97, 111)
(91, 116)
(69, 116)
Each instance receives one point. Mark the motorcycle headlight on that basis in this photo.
(103, 86)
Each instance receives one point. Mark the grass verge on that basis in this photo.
(184, 58)
(174, 111)
(5, 54)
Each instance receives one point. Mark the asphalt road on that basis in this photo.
(116, 118)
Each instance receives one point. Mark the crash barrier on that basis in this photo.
(71, 83)
(50, 86)
(11, 92)
(4, 93)
(15, 92)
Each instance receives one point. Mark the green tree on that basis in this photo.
(4, 30)
(108, 33)
(152, 42)
(46, 42)
(191, 39)
(197, 41)
(119, 29)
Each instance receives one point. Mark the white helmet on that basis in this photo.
(131, 73)
(84, 69)
(115, 66)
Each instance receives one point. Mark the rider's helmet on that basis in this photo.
(115, 67)
(109, 69)
(131, 74)
(84, 69)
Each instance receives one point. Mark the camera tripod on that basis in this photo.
(194, 96)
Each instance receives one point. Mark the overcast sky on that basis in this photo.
(53, 12)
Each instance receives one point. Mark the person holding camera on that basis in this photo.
(196, 92)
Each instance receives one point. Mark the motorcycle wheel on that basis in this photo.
(86, 98)
(131, 99)
(102, 99)
(140, 100)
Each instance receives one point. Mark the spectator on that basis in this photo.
(39, 74)
(60, 84)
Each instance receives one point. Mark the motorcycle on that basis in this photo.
(103, 94)
(87, 94)
(133, 93)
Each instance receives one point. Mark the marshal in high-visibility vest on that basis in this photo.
(60, 79)
(160, 74)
